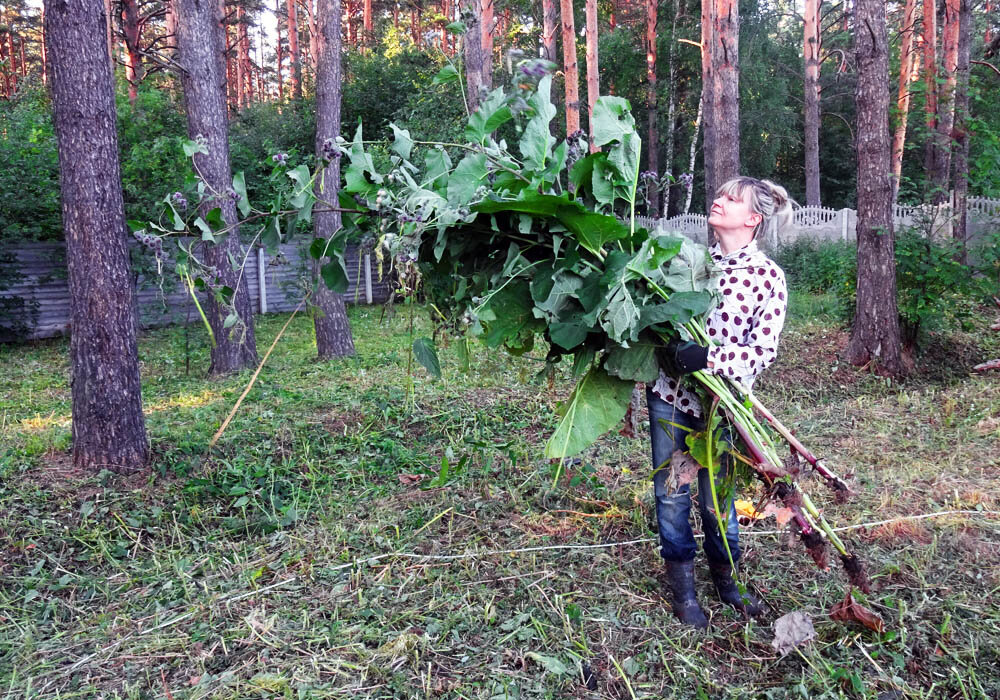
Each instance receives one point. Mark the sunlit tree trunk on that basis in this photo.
(242, 60)
(570, 71)
(369, 24)
(593, 78)
(200, 50)
(931, 147)
(109, 430)
(333, 331)
(875, 334)
(170, 26)
(668, 164)
(131, 32)
(653, 140)
(415, 26)
(314, 36)
(550, 18)
(810, 52)
(279, 50)
(961, 157)
(294, 57)
(908, 63)
(946, 97)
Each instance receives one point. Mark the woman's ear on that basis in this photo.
(754, 220)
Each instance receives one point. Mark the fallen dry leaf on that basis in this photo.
(850, 610)
(410, 479)
(792, 630)
(683, 470)
(781, 514)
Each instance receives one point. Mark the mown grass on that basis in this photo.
(311, 554)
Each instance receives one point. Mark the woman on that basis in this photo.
(745, 326)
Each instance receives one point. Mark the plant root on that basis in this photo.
(816, 546)
(856, 572)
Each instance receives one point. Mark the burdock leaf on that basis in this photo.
(690, 270)
(591, 229)
(568, 334)
(792, 630)
(549, 663)
(680, 308)
(468, 175)
(636, 363)
(335, 276)
(426, 354)
(402, 143)
(596, 405)
(447, 74)
(492, 113)
(850, 610)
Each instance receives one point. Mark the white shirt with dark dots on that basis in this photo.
(745, 323)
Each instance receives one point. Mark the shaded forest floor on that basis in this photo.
(239, 576)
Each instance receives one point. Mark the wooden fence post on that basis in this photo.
(368, 278)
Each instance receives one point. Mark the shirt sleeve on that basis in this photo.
(744, 361)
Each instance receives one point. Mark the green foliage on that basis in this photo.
(817, 266)
(29, 176)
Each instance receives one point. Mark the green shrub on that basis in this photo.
(817, 266)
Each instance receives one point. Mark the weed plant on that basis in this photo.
(233, 576)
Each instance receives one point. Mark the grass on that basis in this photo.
(309, 556)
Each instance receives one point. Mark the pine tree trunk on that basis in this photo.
(200, 52)
(932, 156)
(668, 164)
(314, 36)
(708, 99)
(487, 24)
(109, 430)
(875, 335)
(550, 18)
(698, 123)
(593, 77)
(333, 331)
(726, 91)
(653, 140)
(961, 157)
(472, 45)
(810, 52)
(279, 50)
(170, 27)
(415, 26)
(908, 62)
(946, 97)
(570, 71)
(131, 32)
(294, 56)
(369, 24)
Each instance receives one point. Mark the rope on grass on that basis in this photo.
(644, 540)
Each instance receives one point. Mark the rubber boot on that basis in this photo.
(729, 592)
(680, 579)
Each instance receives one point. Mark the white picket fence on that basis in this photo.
(827, 223)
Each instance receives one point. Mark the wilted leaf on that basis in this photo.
(683, 470)
(781, 514)
(850, 610)
(549, 663)
(792, 630)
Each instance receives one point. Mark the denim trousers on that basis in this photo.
(673, 509)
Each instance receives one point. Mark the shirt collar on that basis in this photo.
(744, 253)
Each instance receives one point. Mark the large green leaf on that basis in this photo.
(335, 275)
(612, 120)
(537, 141)
(508, 317)
(636, 363)
(596, 405)
(679, 309)
(591, 229)
(491, 114)
(564, 288)
(467, 178)
(690, 270)
(426, 354)
(402, 143)
(568, 334)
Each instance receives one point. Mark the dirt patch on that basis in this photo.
(812, 359)
(343, 423)
(900, 531)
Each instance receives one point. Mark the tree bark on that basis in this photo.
(875, 335)
(109, 430)
(932, 156)
(946, 99)
(698, 120)
(668, 164)
(200, 52)
(170, 26)
(726, 91)
(961, 157)
(131, 32)
(242, 59)
(708, 99)
(550, 18)
(368, 23)
(293, 50)
(593, 77)
(810, 52)
(279, 50)
(314, 35)
(472, 47)
(653, 140)
(908, 63)
(333, 331)
(487, 23)
(570, 72)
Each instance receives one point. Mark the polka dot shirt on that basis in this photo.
(744, 325)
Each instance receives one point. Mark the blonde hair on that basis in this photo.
(764, 197)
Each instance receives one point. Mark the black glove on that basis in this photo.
(683, 357)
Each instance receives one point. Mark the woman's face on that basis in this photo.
(731, 213)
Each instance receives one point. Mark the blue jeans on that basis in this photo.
(673, 510)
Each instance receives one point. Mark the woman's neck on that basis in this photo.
(731, 241)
